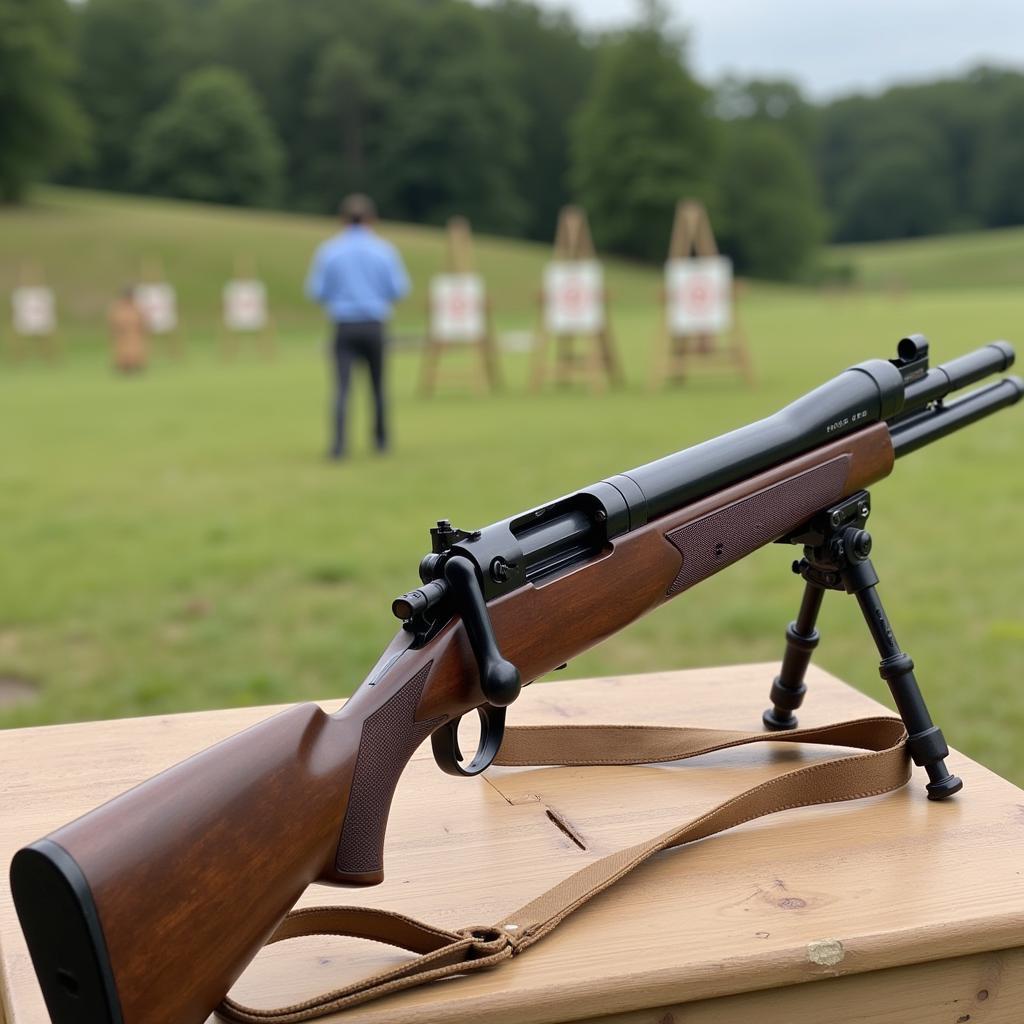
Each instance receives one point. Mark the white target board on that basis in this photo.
(159, 306)
(245, 305)
(699, 295)
(457, 308)
(574, 297)
(35, 310)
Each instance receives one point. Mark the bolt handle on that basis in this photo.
(499, 678)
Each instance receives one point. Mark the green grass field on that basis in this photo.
(176, 541)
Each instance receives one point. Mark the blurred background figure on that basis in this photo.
(357, 277)
(127, 332)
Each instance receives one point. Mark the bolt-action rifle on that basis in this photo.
(146, 910)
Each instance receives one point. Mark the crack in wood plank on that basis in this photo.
(559, 820)
(563, 824)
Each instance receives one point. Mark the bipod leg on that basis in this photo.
(788, 688)
(926, 744)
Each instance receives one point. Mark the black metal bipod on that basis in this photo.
(836, 549)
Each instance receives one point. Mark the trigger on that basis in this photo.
(453, 729)
(448, 754)
(445, 744)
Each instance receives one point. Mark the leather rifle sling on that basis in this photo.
(882, 766)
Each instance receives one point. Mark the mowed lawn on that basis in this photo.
(177, 541)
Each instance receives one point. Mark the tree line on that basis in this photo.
(502, 112)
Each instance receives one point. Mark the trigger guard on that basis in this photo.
(448, 753)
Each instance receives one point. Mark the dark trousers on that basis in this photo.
(362, 342)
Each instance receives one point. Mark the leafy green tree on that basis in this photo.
(775, 100)
(997, 174)
(131, 56)
(888, 168)
(454, 142)
(551, 73)
(953, 110)
(414, 101)
(895, 194)
(273, 46)
(899, 181)
(282, 50)
(210, 142)
(503, 111)
(642, 141)
(348, 98)
(769, 217)
(911, 161)
(40, 125)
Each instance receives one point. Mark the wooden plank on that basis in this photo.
(987, 988)
(897, 880)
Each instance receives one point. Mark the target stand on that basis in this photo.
(574, 311)
(34, 317)
(699, 323)
(245, 314)
(158, 302)
(459, 317)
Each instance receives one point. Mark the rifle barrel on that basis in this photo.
(938, 382)
(943, 419)
(856, 398)
(864, 394)
(901, 392)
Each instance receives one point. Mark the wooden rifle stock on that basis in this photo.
(175, 885)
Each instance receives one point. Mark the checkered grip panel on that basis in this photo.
(389, 737)
(720, 538)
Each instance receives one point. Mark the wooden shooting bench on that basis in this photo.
(892, 910)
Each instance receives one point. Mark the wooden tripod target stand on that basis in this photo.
(245, 313)
(574, 307)
(699, 314)
(34, 316)
(460, 315)
(157, 298)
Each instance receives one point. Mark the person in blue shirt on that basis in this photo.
(357, 277)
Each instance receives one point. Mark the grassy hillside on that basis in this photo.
(90, 244)
(176, 541)
(983, 259)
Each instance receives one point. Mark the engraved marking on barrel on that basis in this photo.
(826, 952)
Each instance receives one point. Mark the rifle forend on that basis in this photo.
(146, 910)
